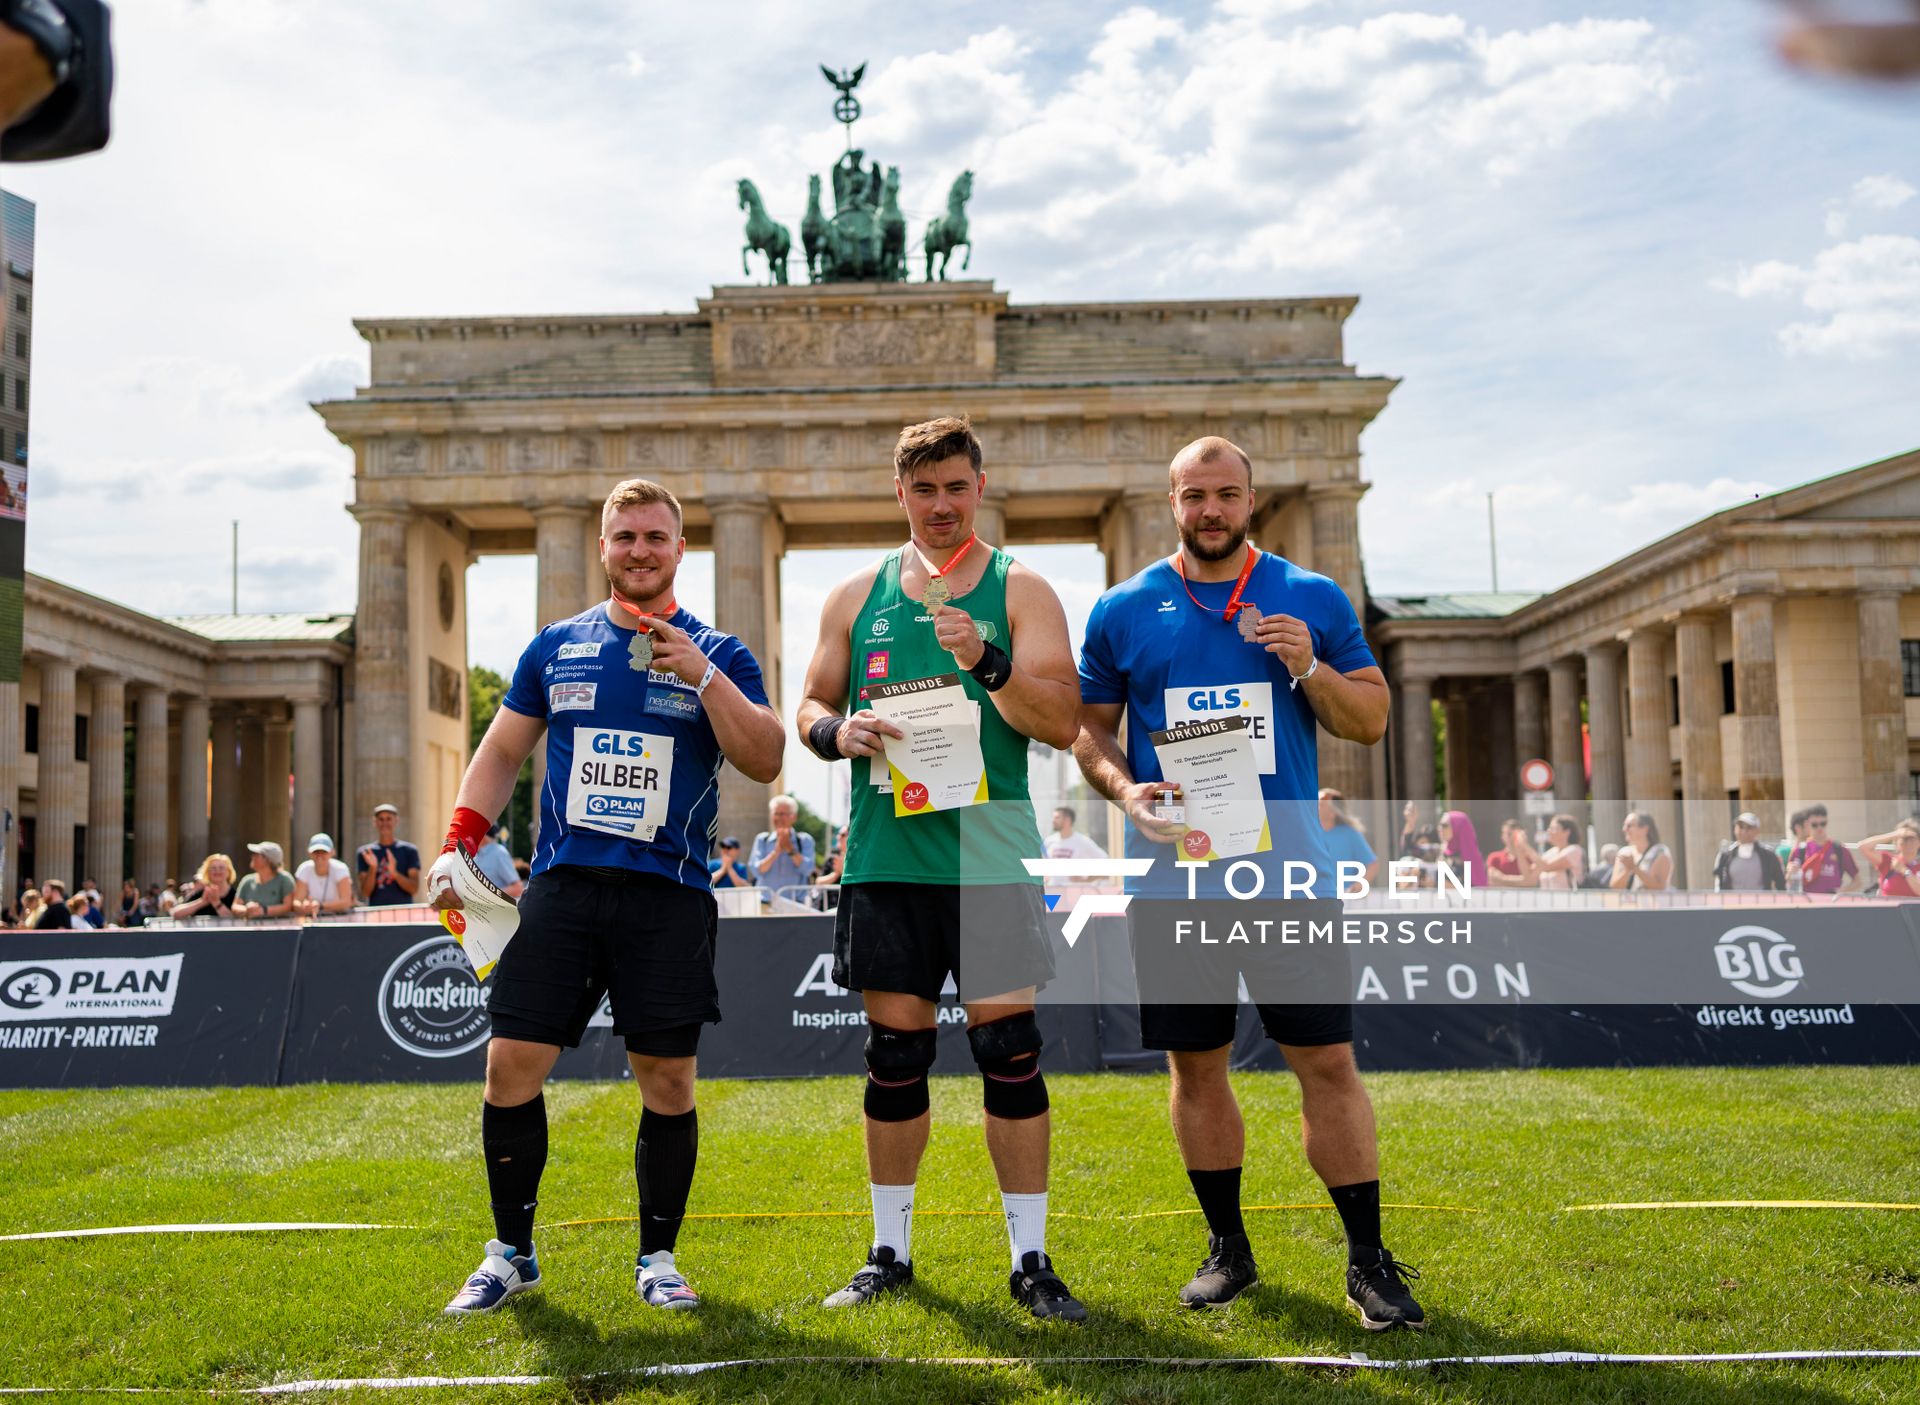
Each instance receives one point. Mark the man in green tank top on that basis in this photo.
(934, 884)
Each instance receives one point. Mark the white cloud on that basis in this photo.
(1865, 294)
(1883, 192)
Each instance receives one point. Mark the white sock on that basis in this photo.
(893, 1220)
(1026, 1224)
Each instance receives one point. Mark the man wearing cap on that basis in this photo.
(494, 861)
(389, 867)
(1746, 865)
(322, 884)
(268, 890)
(727, 870)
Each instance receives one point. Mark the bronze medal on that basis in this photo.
(1250, 624)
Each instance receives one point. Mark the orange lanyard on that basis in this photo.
(955, 560)
(639, 614)
(1234, 602)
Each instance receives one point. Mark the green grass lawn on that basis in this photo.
(1522, 1274)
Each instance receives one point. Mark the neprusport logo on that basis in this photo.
(1758, 961)
(1088, 906)
(430, 1002)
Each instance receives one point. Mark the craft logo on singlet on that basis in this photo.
(98, 987)
(430, 1002)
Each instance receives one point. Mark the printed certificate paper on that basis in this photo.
(1213, 764)
(938, 764)
(486, 919)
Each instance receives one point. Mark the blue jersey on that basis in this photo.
(1150, 647)
(633, 767)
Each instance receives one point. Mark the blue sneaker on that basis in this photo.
(500, 1275)
(660, 1283)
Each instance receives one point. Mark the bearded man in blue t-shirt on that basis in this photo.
(1221, 627)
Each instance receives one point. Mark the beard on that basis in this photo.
(665, 586)
(1236, 538)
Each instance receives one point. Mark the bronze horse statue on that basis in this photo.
(893, 230)
(813, 230)
(763, 235)
(949, 231)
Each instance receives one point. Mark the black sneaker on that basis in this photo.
(1379, 1291)
(1037, 1288)
(883, 1274)
(1225, 1273)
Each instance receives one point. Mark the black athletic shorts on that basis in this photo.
(906, 937)
(1192, 1028)
(645, 942)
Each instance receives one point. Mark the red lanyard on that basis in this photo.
(1233, 601)
(639, 614)
(955, 560)
(1807, 860)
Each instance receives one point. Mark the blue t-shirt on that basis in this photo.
(633, 767)
(1348, 845)
(406, 858)
(733, 874)
(1150, 647)
(494, 861)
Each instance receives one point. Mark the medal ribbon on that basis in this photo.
(1234, 602)
(952, 561)
(639, 614)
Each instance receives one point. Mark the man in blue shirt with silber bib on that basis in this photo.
(1220, 629)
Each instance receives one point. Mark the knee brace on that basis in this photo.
(897, 1064)
(1008, 1053)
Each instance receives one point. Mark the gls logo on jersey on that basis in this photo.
(1254, 701)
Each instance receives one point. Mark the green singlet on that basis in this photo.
(893, 641)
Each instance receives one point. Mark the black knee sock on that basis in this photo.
(1219, 1196)
(1359, 1207)
(663, 1157)
(515, 1141)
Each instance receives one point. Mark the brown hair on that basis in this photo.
(640, 492)
(1206, 449)
(935, 442)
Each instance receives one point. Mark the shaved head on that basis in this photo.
(1207, 449)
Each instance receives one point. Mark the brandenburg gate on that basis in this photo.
(772, 412)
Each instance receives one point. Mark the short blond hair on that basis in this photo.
(936, 441)
(640, 492)
(209, 861)
(1206, 449)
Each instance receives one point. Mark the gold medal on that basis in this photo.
(938, 592)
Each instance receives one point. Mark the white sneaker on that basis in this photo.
(500, 1275)
(660, 1283)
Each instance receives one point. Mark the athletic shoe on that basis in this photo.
(1378, 1289)
(500, 1275)
(1225, 1273)
(1037, 1288)
(660, 1283)
(883, 1274)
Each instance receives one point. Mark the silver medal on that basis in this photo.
(1250, 624)
(641, 650)
(938, 592)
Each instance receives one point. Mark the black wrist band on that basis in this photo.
(823, 737)
(994, 668)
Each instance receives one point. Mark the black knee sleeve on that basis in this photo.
(897, 1064)
(1008, 1053)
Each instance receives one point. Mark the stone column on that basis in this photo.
(1883, 715)
(195, 837)
(107, 787)
(12, 745)
(223, 833)
(746, 597)
(1529, 718)
(251, 732)
(149, 785)
(1334, 511)
(559, 547)
(309, 773)
(1415, 722)
(1606, 731)
(1563, 736)
(1459, 758)
(1150, 533)
(383, 744)
(990, 519)
(1703, 788)
(1501, 781)
(1756, 700)
(276, 819)
(60, 800)
(1649, 750)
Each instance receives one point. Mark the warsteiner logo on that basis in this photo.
(1088, 906)
(430, 1003)
(1758, 961)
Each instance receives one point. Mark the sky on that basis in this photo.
(1627, 269)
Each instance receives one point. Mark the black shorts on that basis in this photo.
(643, 941)
(1192, 1028)
(907, 937)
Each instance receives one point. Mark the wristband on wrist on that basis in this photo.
(700, 689)
(1298, 679)
(469, 827)
(994, 669)
(823, 738)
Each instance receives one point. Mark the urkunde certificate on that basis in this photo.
(1212, 763)
(486, 919)
(937, 765)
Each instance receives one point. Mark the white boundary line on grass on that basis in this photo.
(1358, 1361)
(261, 1227)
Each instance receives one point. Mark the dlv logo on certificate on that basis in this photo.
(1214, 765)
(938, 764)
(620, 781)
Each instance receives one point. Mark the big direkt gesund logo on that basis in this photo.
(430, 1002)
(1758, 961)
